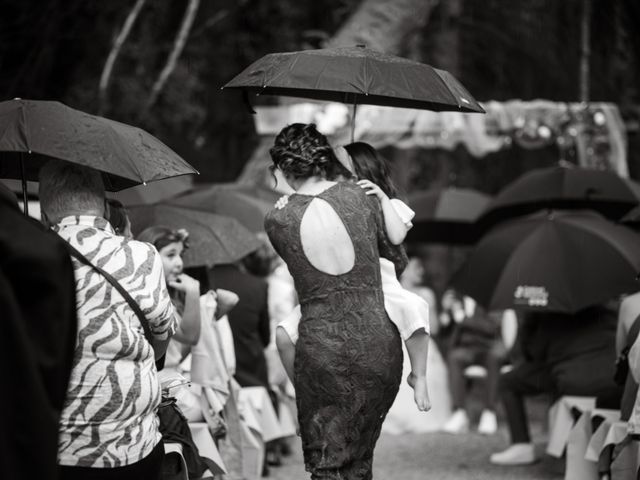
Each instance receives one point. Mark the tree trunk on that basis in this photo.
(172, 60)
(113, 54)
(445, 54)
(383, 25)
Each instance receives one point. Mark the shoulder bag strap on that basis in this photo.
(118, 286)
(633, 333)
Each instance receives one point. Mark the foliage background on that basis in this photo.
(499, 49)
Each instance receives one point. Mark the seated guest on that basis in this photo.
(476, 340)
(249, 321)
(183, 289)
(108, 427)
(38, 312)
(563, 355)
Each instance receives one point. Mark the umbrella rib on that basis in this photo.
(129, 160)
(281, 72)
(447, 89)
(23, 115)
(324, 67)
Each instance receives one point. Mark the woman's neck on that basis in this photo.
(313, 185)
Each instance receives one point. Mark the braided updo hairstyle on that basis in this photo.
(300, 151)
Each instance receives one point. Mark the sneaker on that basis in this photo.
(516, 454)
(457, 423)
(488, 424)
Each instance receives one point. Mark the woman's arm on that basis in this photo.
(188, 331)
(396, 229)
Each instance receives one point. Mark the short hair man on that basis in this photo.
(109, 417)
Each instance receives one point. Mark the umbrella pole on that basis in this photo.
(353, 121)
(25, 203)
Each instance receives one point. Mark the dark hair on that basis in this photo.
(261, 262)
(369, 165)
(117, 215)
(160, 236)
(300, 151)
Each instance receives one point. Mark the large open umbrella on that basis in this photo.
(248, 205)
(561, 261)
(563, 187)
(213, 239)
(356, 76)
(32, 132)
(446, 215)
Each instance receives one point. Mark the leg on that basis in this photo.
(459, 358)
(418, 348)
(286, 349)
(527, 379)
(494, 360)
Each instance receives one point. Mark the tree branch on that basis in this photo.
(172, 60)
(113, 54)
(383, 25)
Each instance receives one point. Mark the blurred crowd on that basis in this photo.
(213, 333)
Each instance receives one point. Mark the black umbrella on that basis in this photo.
(213, 239)
(563, 187)
(248, 205)
(356, 76)
(32, 132)
(558, 261)
(446, 215)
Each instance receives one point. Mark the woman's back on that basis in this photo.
(331, 241)
(348, 356)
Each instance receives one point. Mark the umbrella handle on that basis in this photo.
(25, 203)
(353, 121)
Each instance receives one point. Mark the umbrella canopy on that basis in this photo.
(248, 205)
(213, 239)
(355, 75)
(32, 132)
(559, 262)
(155, 192)
(564, 188)
(446, 215)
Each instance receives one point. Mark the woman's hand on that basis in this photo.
(186, 284)
(372, 189)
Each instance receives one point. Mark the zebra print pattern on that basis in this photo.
(109, 417)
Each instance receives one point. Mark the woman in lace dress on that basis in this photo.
(348, 361)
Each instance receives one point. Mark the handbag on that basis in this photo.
(118, 286)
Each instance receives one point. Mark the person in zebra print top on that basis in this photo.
(108, 427)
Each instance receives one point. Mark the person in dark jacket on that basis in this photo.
(38, 316)
(563, 355)
(249, 321)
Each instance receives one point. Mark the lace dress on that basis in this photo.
(348, 361)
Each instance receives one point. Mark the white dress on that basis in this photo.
(408, 311)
